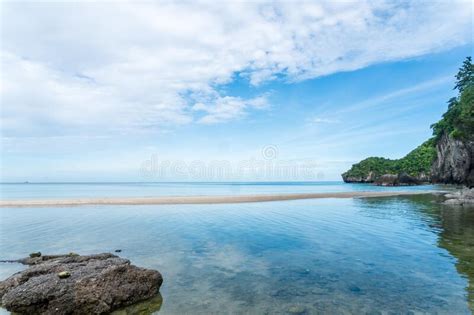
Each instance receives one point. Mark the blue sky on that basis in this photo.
(93, 93)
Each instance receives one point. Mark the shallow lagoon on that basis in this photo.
(401, 255)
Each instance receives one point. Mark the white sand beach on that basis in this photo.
(168, 200)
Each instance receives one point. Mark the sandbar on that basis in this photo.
(215, 199)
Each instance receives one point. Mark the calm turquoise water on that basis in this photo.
(338, 256)
(79, 190)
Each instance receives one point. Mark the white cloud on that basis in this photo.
(102, 67)
(321, 120)
(226, 108)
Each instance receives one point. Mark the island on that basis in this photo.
(447, 157)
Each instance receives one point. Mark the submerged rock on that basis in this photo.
(297, 309)
(141, 308)
(96, 284)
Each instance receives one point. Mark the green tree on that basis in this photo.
(465, 76)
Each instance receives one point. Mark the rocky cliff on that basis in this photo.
(454, 163)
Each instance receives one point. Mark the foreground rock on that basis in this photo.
(464, 197)
(94, 284)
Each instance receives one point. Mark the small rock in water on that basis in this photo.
(35, 254)
(118, 250)
(354, 288)
(297, 309)
(464, 197)
(64, 274)
(454, 195)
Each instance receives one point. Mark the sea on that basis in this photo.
(391, 255)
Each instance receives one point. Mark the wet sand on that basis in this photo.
(169, 200)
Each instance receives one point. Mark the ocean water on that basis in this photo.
(24, 191)
(397, 255)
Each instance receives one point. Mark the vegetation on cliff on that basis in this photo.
(417, 163)
(457, 122)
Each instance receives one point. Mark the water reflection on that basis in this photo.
(457, 237)
(146, 307)
(454, 226)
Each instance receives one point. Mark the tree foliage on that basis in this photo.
(458, 121)
(465, 76)
(415, 163)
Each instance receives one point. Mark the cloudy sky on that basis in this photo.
(90, 91)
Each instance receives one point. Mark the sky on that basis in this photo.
(220, 91)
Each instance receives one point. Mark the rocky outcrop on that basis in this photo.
(454, 163)
(74, 284)
(464, 197)
(407, 180)
(387, 180)
(370, 178)
(402, 179)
